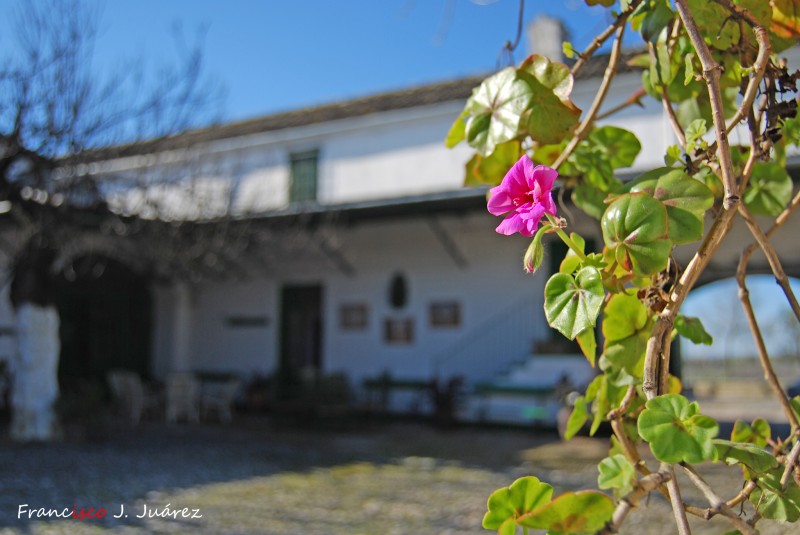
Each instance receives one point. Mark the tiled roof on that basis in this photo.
(451, 90)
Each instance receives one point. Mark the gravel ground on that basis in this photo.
(257, 478)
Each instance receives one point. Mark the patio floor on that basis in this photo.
(254, 477)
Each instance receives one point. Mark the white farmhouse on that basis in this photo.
(366, 258)
(379, 265)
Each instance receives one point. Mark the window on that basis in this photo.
(303, 180)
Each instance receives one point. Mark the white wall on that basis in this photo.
(391, 154)
(492, 279)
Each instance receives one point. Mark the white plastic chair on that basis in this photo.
(218, 397)
(182, 398)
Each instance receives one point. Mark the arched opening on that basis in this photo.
(106, 315)
(733, 357)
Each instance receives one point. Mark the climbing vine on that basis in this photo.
(714, 66)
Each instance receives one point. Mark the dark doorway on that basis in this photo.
(106, 313)
(301, 335)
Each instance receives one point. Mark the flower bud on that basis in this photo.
(534, 255)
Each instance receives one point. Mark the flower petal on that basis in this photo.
(531, 211)
(516, 180)
(544, 176)
(549, 205)
(512, 224)
(531, 226)
(500, 201)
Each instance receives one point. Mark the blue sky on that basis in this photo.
(719, 308)
(275, 55)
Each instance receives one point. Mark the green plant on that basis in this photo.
(712, 65)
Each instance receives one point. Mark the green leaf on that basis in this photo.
(571, 305)
(718, 29)
(552, 114)
(674, 155)
(758, 433)
(616, 472)
(590, 199)
(476, 129)
(491, 170)
(690, 72)
(550, 119)
(605, 395)
(699, 105)
(663, 71)
(588, 344)
(769, 189)
(457, 131)
(495, 109)
(650, 18)
(759, 9)
(573, 513)
(626, 328)
(593, 388)
(623, 361)
(571, 261)
(686, 201)
(773, 501)
(753, 457)
(785, 27)
(794, 403)
(621, 146)
(577, 418)
(552, 75)
(694, 135)
(592, 163)
(684, 226)
(692, 328)
(635, 229)
(676, 430)
(625, 316)
(507, 504)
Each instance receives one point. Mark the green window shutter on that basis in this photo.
(303, 183)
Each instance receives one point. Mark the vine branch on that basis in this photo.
(711, 74)
(718, 505)
(608, 76)
(644, 486)
(678, 509)
(760, 64)
(598, 41)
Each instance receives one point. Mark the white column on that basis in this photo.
(182, 328)
(35, 373)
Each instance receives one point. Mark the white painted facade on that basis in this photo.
(389, 155)
(372, 159)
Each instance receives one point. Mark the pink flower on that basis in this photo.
(524, 196)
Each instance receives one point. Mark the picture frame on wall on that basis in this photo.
(353, 316)
(444, 314)
(398, 330)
